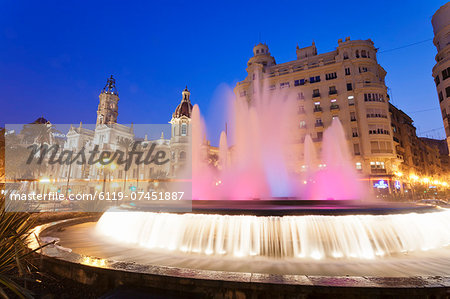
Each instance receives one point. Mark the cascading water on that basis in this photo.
(314, 237)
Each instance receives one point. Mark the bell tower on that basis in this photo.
(107, 111)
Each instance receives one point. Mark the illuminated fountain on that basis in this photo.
(257, 207)
(259, 214)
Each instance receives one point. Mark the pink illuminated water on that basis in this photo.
(267, 159)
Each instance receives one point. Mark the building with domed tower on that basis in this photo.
(347, 83)
(109, 135)
(181, 131)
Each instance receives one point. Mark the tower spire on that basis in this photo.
(110, 86)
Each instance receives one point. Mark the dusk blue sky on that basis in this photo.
(55, 56)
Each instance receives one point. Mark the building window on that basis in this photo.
(302, 124)
(357, 53)
(299, 82)
(446, 73)
(284, 85)
(373, 97)
(183, 129)
(437, 80)
(319, 122)
(351, 100)
(377, 165)
(362, 69)
(272, 87)
(378, 129)
(243, 93)
(316, 93)
(331, 76)
(363, 54)
(317, 107)
(352, 116)
(356, 149)
(347, 71)
(300, 96)
(349, 87)
(376, 113)
(182, 156)
(314, 79)
(447, 92)
(381, 147)
(358, 166)
(345, 55)
(333, 90)
(354, 132)
(441, 97)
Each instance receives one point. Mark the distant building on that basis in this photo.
(347, 83)
(443, 152)
(441, 70)
(418, 157)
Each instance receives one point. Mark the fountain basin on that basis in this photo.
(93, 261)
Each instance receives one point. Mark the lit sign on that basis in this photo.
(381, 184)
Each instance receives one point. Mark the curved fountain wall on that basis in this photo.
(315, 237)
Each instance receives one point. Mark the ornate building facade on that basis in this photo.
(441, 70)
(347, 83)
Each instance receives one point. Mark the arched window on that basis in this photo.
(183, 129)
(182, 156)
(363, 53)
(357, 53)
(345, 55)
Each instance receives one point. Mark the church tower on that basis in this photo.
(108, 106)
(181, 118)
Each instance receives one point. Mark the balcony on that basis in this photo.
(378, 171)
(332, 92)
(316, 95)
(334, 107)
(353, 119)
(317, 109)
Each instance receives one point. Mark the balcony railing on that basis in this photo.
(319, 124)
(334, 107)
(317, 109)
(332, 92)
(316, 95)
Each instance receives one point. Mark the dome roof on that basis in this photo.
(185, 107)
(41, 121)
